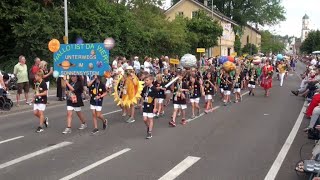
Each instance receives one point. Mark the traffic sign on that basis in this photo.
(174, 61)
(201, 50)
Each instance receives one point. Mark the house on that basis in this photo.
(225, 47)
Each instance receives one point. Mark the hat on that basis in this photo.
(136, 57)
(129, 68)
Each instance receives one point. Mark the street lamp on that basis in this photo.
(65, 38)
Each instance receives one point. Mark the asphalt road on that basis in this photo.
(239, 141)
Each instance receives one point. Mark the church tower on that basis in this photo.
(305, 27)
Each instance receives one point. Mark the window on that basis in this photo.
(180, 13)
(248, 39)
(194, 14)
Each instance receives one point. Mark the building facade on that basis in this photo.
(225, 47)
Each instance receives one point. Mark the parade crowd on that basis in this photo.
(164, 83)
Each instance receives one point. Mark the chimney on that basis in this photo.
(205, 2)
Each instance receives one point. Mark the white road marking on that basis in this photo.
(285, 148)
(112, 112)
(12, 139)
(83, 170)
(31, 155)
(180, 168)
(189, 120)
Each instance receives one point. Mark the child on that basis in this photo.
(166, 79)
(109, 84)
(252, 81)
(227, 88)
(195, 92)
(237, 87)
(209, 91)
(179, 89)
(97, 91)
(149, 94)
(159, 85)
(40, 101)
(222, 83)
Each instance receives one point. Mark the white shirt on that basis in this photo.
(109, 82)
(114, 64)
(125, 65)
(165, 65)
(147, 66)
(136, 64)
(313, 62)
(120, 71)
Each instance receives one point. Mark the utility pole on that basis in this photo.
(65, 38)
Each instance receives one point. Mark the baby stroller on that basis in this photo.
(5, 102)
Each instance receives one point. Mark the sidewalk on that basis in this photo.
(52, 99)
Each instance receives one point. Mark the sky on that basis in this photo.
(295, 10)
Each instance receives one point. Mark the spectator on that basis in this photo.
(33, 70)
(136, 64)
(46, 73)
(21, 72)
(147, 65)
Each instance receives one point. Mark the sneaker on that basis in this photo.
(206, 111)
(67, 131)
(83, 126)
(46, 122)
(156, 116)
(105, 124)
(183, 122)
(225, 104)
(236, 101)
(130, 120)
(124, 114)
(240, 99)
(249, 93)
(252, 94)
(149, 135)
(95, 131)
(29, 103)
(296, 93)
(172, 123)
(162, 114)
(198, 114)
(193, 116)
(179, 113)
(39, 129)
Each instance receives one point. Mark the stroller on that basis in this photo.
(5, 102)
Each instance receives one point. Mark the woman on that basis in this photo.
(46, 73)
(74, 101)
(282, 71)
(266, 82)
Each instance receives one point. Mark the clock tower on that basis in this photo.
(305, 27)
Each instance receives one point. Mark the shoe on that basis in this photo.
(240, 99)
(179, 114)
(183, 122)
(193, 116)
(149, 135)
(39, 130)
(156, 116)
(46, 122)
(124, 114)
(162, 114)
(29, 103)
(252, 94)
(206, 111)
(198, 114)
(104, 124)
(83, 126)
(236, 101)
(249, 93)
(130, 120)
(296, 93)
(95, 131)
(225, 104)
(172, 123)
(67, 131)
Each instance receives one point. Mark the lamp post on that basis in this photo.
(65, 38)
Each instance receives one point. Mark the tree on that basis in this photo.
(311, 43)
(250, 49)
(203, 31)
(263, 12)
(271, 43)
(237, 45)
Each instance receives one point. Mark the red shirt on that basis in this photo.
(314, 103)
(35, 69)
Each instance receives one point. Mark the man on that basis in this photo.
(21, 72)
(33, 71)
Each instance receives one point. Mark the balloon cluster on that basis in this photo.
(279, 57)
(256, 60)
(227, 63)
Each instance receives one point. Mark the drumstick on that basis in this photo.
(171, 82)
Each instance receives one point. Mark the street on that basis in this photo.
(238, 141)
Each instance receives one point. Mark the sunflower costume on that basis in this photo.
(127, 90)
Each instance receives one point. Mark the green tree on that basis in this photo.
(263, 12)
(311, 43)
(237, 45)
(250, 49)
(203, 31)
(271, 43)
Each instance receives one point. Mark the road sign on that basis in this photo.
(81, 59)
(234, 54)
(174, 61)
(201, 50)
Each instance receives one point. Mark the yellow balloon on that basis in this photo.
(54, 45)
(229, 66)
